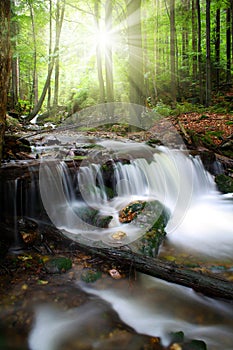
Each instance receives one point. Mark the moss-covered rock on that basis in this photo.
(58, 265)
(131, 211)
(91, 216)
(90, 275)
(224, 183)
(149, 244)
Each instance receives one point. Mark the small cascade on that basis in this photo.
(14, 209)
(198, 213)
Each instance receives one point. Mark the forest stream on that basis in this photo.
(57, 295)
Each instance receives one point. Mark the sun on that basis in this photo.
(104, 39)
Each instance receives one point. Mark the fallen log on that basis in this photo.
(208, 285)
(125, 258)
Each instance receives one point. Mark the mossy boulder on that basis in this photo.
(150, 243)
(224, 183)
(91, 216)
(90, 275)
(131, 211)
(58, 265)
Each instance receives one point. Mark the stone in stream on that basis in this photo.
(131, 211)
(224, 183)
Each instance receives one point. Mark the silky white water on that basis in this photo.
(157, 308)
(200, 217)
(200, 222)
(149, 305)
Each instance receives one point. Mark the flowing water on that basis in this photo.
(200, 218)
(200, 223)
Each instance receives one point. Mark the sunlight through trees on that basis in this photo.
(150, 52)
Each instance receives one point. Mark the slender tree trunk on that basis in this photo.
(51, 66)
(5, 64)
(228, 44)
(14, 93)
(231, 6)
(34, 93)
(185, 38)
(208, 57)
(98, 57)
(172, 51)
(108, 53)
(50, 52)
(194, 39)
(217, 48)
(136, 78)
(199, 50)
(57, 62)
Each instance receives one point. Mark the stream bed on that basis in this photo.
(44, 308)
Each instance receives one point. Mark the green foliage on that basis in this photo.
(79, 80)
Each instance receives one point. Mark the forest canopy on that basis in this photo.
(68, 55)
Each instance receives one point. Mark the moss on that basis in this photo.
(90, 276)
(224, 183)
(130, 212)
(91, 216)
(57, 265)
(154, 237)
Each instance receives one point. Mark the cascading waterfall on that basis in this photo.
(200, 218)
(200, 222)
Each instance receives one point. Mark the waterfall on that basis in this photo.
(200, 218)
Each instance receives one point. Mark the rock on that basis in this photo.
(224, 183)
(119, 235)
(58, 265)
(131, 211)
(90, 275)
(91, 216)
(150, 243)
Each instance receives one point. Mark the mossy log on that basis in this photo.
(200, 282)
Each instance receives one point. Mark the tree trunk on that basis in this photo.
(5, 64)
(228, 45)
(199, 50)
(50, 52)
(14, 93)
(50, 70)
(200, 282)
(98, 56)
(136, 78)
(57, 63)
(208, 57)
(172, 50)
(185, 38)
(194, 40)
(34, 93)
(108, 52)
(217, 48)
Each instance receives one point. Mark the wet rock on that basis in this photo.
(90, 275)
(58, 265)
(224, 183)
(91, 216)
(29, 231)
(15, 147)
(150, 243)
(131, 211)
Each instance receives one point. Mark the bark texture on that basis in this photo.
(4, 64)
